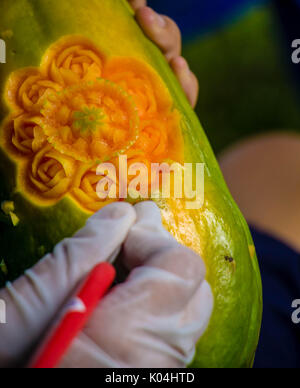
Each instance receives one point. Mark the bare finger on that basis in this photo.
(162, 30)
(136, 4)
(187, 79)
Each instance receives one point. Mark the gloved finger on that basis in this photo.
(172, 335)
(193, 321)
(163, 314)
(167, 264)
(136, 4)
(33, 300)
(186, 78)
(162, 30)
(155, 318)
(147, 237)
(100, 240)
(144, 339)
(126, 332)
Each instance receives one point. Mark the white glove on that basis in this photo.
(156, 317)
(35, 299)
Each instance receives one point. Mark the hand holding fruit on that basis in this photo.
(165, 33)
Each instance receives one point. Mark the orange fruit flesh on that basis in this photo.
(80, 109)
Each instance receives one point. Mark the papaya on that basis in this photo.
(83, 86)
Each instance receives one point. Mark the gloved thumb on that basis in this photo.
(150, 245)
(35, 299)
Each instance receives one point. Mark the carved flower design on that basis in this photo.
(80, 109)
(52, 172)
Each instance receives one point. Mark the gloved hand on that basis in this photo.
(35, 299)
(154, 319)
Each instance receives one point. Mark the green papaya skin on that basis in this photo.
(218, 232)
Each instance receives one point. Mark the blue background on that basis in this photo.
(201, 16)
